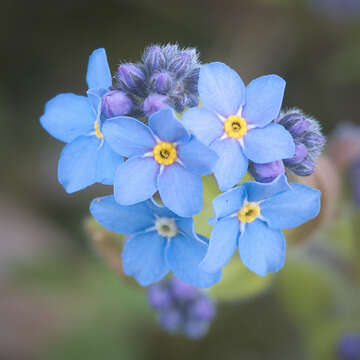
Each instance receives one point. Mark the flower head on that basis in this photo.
(162, 156)
(251, 217)
(167, 76)
(309, 141)
(236, 122)
(159, 241)
(78, 120)
(181, 308)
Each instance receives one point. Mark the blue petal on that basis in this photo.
(264, 97)
(144, 258)
(273, 142)
(204, 124)
(291, 208)
(135, 180)
(184, 255)
(262, 249)
(197, 157)
(260, 191)
(98, 72)
(68, 116)
(77, 163)
(94, 96)
(180, 190)
(122, 219)
(232, 163)
(160, 210)
(107, 161)
(167, 126)
(186, 226)
(221, 89)
(128, 136)
(223, 241)
(229, 202)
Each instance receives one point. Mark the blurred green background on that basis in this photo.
(58, 299)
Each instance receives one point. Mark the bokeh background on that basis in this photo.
(58, 299)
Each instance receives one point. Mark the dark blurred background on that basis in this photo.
(58, 301)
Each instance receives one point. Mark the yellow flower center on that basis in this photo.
(235, 127)
(98, 133)
(249, 212)
(165, 153)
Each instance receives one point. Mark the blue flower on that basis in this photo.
(237, 122)
(162, 156)
(77, 121)
(160, 241)
(250, 217)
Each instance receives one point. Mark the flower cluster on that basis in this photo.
(309, 143)
(167, 76)
(128, 135)
(181, 308)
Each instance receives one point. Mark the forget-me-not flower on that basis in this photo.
(160, 241)
(77, 121)
(236, 121)
(251, 217)
(162, 156)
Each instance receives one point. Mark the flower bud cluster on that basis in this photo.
(181, 307)
(166, 77)
(309, 142)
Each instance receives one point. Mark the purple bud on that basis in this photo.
(299, 127)
(180, 64)
(295, 123)
(305, 168)
(116, 103)
(154, 103)
(313, 140)
(349, 347)
(131, 77)
(182, 291)
(154, 58)
(159, 296)
(202, 308)
(171, 319)
(161, 82)
(196, 329)
(266, 173)
(300, 154)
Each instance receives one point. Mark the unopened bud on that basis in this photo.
(116, 103)
(161, 82)
(131, 77)
(154, 103)
(266, 173)
(300, 154)
(180, 64)
(154, 58)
